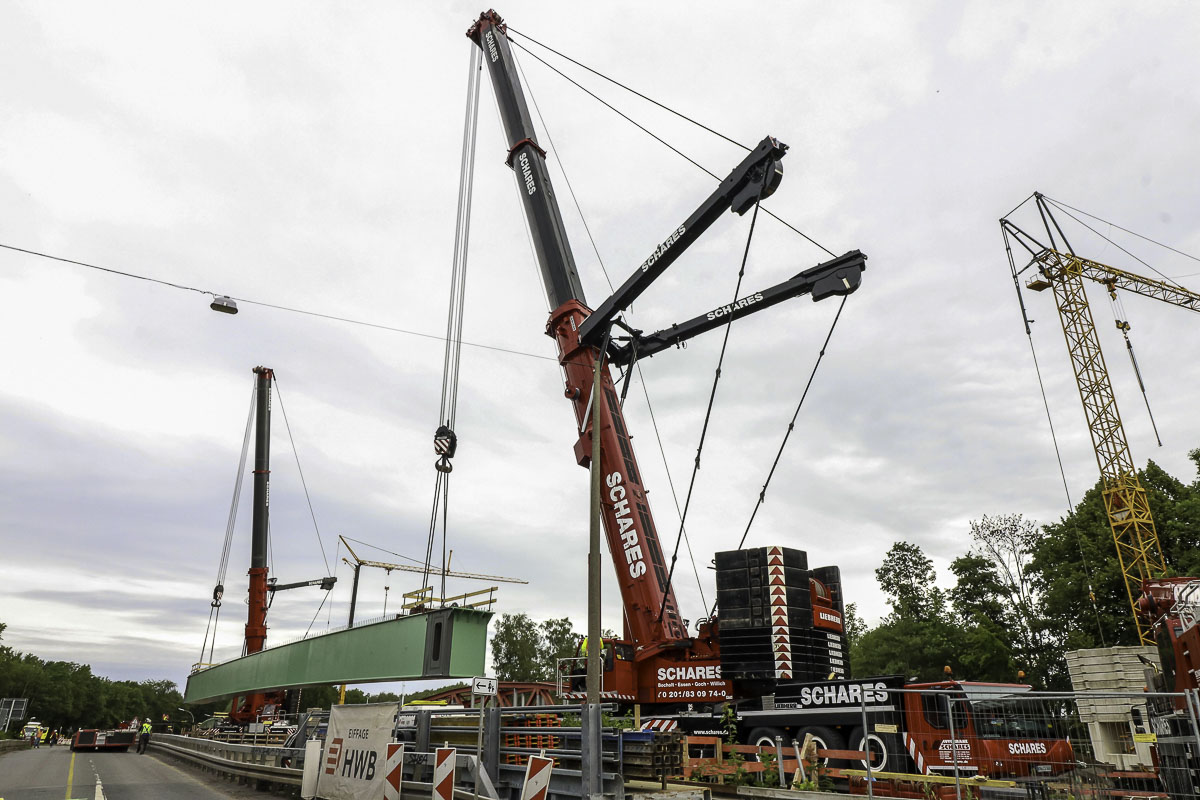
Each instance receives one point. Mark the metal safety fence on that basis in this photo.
(956, 741)
(587, 754)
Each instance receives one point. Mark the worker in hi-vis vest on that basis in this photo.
(144, 739)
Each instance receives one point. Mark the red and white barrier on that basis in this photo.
(537, 778)
(443, 773)
(392, 770)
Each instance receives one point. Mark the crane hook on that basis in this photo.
(445, 443)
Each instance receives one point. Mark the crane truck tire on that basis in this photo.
(825, 739)
(765, 737)
(880, 751)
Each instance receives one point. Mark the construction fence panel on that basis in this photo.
(983, 740)
(505, 739)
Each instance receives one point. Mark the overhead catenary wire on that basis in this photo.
(265, 304)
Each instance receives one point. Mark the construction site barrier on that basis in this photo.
(957, 742)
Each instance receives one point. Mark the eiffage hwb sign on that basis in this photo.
(356, 752)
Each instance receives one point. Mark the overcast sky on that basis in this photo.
(306, 155)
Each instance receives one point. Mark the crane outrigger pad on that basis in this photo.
(446, 643)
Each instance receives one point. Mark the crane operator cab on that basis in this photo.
(617, 659)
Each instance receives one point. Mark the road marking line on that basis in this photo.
(99, 789)
(70, 776)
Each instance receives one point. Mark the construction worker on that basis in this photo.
(583, 648)
(144, 739)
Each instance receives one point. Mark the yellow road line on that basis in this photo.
(70, 776)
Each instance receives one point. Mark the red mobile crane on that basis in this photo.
(656, 636)
(253, 707)
(657, 663)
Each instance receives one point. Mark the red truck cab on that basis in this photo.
(984, 730)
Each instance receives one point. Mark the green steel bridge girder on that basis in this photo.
(446, 643)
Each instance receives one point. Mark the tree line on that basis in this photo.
(1023, 594)
(64, 695)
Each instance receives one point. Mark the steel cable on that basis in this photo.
(712, 396)
(223, 564)
(1012, 265)
(303, 483)
(762, 495)
(604, 269)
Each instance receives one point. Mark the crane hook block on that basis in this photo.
(445, 442)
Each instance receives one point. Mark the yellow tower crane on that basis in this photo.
(1125, 501)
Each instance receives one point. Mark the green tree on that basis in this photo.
(854, 625)
(558, 640)
(907, 577)
(516, 649)
(525, 651)
(996, 600)
(984, 639)
(66, 695)
(916, 639)
(1083, 598)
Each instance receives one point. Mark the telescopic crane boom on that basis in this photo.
(1125, 501)
(654, 626)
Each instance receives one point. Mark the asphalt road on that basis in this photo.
(55, 773)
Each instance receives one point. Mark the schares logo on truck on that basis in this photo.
(842, 694)
(629, 537)
(706, 673)
(1026, 748)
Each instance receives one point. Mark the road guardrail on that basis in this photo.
(243, 761)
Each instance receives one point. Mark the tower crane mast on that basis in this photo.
(1126, 503)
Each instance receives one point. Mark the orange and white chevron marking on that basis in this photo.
(392, 771)
(443, 773)
(537, 778)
